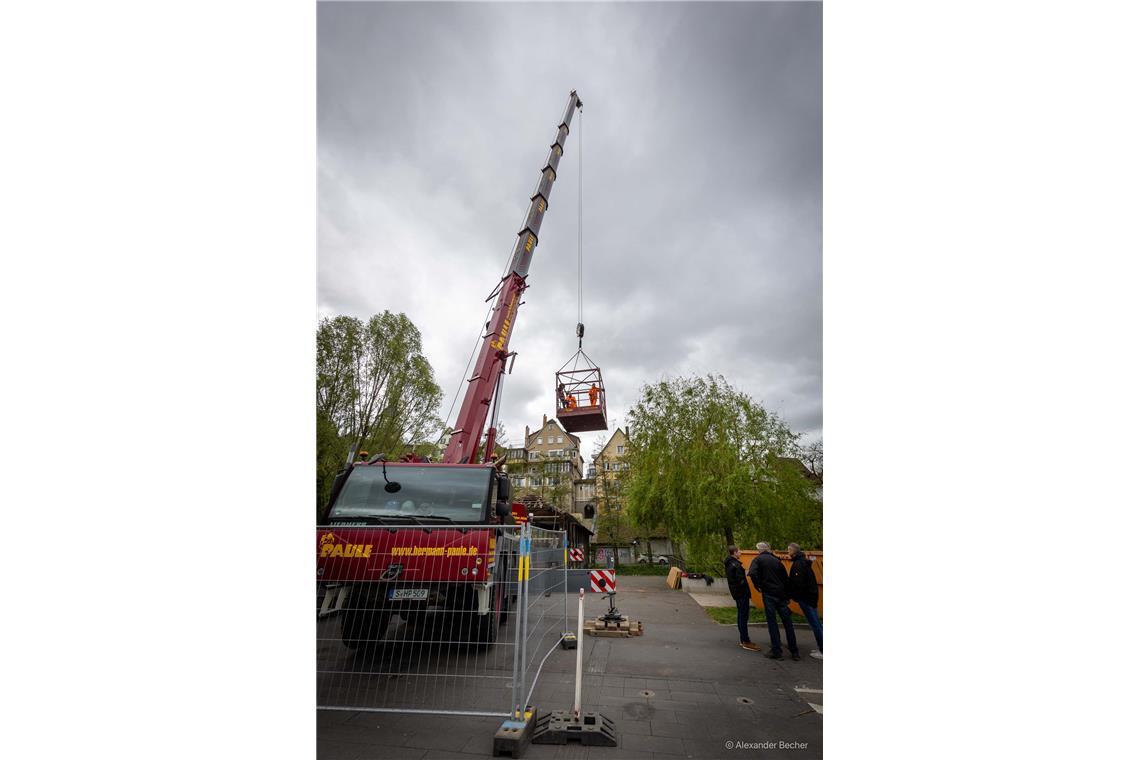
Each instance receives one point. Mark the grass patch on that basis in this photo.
(727, 615)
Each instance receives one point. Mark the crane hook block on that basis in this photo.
(581, 331)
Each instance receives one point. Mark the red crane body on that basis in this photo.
(463, 446)
(381, 513)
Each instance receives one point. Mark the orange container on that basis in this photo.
(747, 555)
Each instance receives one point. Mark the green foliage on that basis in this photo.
(375, 392)
(713, 467)
(331, 451)
(727, 615)
(640, 569)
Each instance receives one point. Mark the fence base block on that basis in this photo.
(514, 735)
(589, 729)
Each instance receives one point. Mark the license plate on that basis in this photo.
(415, 594)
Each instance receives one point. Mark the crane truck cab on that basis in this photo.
(401, 538)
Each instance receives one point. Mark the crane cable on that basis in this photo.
(581, 327)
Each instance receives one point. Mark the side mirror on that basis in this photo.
(503, 509)
(337, 486)
(504, 486)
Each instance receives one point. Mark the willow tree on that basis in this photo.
(713, 467)
(375, 391)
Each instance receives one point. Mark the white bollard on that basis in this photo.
(578, 667)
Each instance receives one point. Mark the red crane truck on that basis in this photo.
(369, 574)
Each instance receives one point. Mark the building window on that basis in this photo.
(560, 439)
(549, 439)
(621, 450)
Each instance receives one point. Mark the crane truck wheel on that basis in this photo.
(360, 627)
(485, 628)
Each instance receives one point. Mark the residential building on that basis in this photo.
(547, 465)
(615, 533)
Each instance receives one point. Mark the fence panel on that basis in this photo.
(417, 619)
(545, 613)
(442, 619)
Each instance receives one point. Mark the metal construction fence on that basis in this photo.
(447, 619)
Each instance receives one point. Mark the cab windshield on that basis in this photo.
(458, 494)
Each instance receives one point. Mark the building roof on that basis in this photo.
(606, 445)
(530, 439)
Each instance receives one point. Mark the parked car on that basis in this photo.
(658, 559)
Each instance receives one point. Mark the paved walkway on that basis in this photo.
(684, 689)
(713, 600)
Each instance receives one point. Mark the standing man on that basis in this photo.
(771, 580)
(741, 594)
(804, 591)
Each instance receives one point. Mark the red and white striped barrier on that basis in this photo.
(603, 581)
(576, 555)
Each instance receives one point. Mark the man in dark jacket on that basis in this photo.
(771, 580)
(804, 591)
(741, 594)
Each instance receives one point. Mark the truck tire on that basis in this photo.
(485, 628)
(360, 627)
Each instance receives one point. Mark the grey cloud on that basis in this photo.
(702, 159)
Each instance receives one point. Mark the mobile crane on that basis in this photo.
(369, 574)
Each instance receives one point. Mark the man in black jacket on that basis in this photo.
(771, 580)
(804, 591)
(741, 594)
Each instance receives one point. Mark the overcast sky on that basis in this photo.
(702, 182)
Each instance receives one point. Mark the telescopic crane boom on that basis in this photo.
(463, 446)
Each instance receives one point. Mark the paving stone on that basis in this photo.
(656, 744)
(624, 753)
(625, 726)
(676, 729)
(331, 749)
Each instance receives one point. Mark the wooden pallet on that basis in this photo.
(624, 629)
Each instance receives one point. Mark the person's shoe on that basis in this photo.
(750, 646)
(817, 654)
(774, 656)
(796, 656)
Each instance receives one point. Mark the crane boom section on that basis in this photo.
(463, 446)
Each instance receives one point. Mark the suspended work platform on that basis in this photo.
(580, 395)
